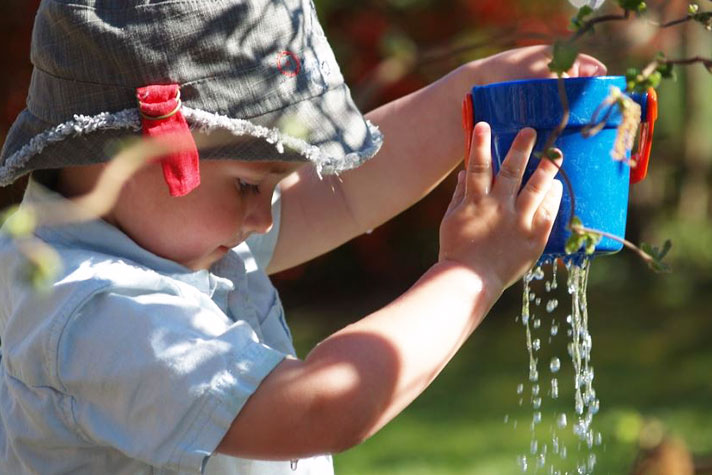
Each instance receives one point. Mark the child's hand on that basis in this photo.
(496, 229)
(530, 62)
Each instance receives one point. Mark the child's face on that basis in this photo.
(232, 202)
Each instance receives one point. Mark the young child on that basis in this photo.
(162, 346)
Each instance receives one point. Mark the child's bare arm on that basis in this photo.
(423, 143)
(358, 379)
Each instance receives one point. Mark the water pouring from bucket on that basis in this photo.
(599, 181)
(598, 167)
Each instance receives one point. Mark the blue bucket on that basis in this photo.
(600, 183)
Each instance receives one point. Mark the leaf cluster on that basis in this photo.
(703, 18)
(581, 238)
(635, 6)
(579, 20)
(657, 255)
(641, 81)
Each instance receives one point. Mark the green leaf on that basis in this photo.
(636, 82)
(41, 268)
(578, 21)
(574, 243)
(592, 240)
(704, 18)
(635, 6)
(667, 71)
(19, 222)
(657, 255)
(551, 153)
(564, 56)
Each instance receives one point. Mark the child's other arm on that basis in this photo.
(358, 379)
(423, 143)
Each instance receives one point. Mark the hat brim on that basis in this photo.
(326, 130)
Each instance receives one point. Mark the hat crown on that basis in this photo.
(111, 47)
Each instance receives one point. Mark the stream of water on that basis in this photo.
(551, 449)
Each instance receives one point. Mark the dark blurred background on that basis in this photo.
(651, 332)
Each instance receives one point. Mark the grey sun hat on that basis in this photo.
(261, 71)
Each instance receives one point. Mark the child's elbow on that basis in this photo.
(347, 414)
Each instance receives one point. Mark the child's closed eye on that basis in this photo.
(246, 188)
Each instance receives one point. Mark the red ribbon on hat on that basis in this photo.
(160, 108)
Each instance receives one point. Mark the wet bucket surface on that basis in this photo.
(600, 183)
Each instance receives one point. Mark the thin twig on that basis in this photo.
(643, 255)
(588, 25)
(673, 22)
(707, 62)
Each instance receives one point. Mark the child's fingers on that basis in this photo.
(548, 209)
(479, 169)
(509, 178)
(531, 196)
(458, 193)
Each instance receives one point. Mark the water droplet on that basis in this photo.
(535, 390)
(541, 460)
(554, 329)
(554, 364)
(536, 344)
(551, 305)
(599, 439)
(522, 460)
(561, 421)
(534, 447)
(537, 323)
(569, 319)
(554, 388)
(506, 418)
(536, 418)
(520, 388)
(538, 273)
(536, 402)
(293, 464)
(537, 301)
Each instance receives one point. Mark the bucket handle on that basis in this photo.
(641, 158)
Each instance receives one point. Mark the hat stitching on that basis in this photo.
(82, 81)
(206, 122)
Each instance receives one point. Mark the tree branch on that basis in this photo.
(589, 24)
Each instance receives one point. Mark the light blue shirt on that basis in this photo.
(133, 363)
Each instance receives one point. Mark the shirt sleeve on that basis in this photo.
(158, 379)
(262, 245)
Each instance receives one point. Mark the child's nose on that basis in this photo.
(259, 219)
